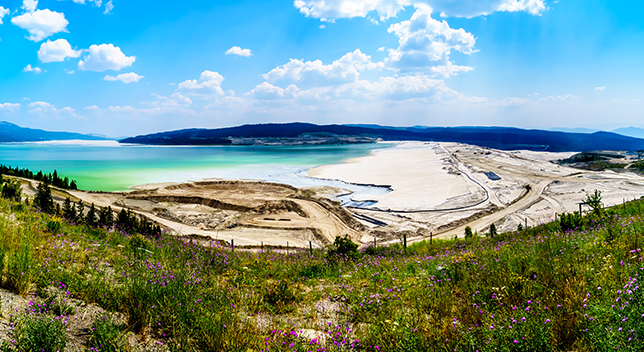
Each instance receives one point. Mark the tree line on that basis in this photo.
(95, 217)
(51, 178)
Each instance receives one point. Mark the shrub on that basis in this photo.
(41, 333)
(468, 232)
(11, 190)
(107, 336)
(343, 246)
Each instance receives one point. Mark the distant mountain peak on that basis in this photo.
(10, 132)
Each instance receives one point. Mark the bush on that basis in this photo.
(11, 190)
(41, 333)
(468, 232)
(343, 246)
(107, 336)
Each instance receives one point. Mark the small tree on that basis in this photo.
(594, 201)
(520, 227)
(80, 212)
(69, 211)
(43, 199)
(90, 218)
(468, 232)
(492, 230)
(106, 218)
(343, 246)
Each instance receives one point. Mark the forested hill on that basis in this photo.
(10, 132)
(493, 137)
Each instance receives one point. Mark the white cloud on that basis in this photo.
(3, 12)
(124, 77)
(44, 108)
(345, 69)
(425, 44)
(9, 107)
(108, 7)
(209, 84)
(382, 48)
(322, 26)
(29, 5)
(598, 90)
(56, 51)
(41, 23)
(330, 10)
(235, 50)
(267, 91)
(105, 57)
(36, 70)
(97, 3)
(558, 98)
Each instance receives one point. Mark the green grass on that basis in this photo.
(540, 289)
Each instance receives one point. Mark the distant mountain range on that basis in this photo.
(494, 137)
(10, 132)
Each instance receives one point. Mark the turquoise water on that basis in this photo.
(109, 166)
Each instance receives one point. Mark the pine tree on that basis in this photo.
(106, 218)
(468, 232)
(492, 230)
(90, 218)
(80, 214)
(43, 199)
(72, 185)
(69, 211)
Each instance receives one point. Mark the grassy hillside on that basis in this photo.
(540, 289)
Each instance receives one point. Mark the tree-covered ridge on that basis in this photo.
(51, 178)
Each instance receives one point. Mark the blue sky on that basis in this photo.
(130, 67)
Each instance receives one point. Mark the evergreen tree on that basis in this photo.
(72, 185)
(492, 230)
(90, 218)
(69, 210)
(43, 199)
(80, 214)
(106, 218)
(468, 232)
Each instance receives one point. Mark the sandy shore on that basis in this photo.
(421, 176)
(530, 188)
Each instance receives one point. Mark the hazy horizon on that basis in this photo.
(122, 68)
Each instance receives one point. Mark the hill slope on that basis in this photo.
(10, 132)
(493, 137)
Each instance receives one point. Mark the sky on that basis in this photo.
(122, 68)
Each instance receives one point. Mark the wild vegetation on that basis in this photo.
(555, 287)
(51, 178)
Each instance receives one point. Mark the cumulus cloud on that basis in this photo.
(35, 70)
(345, 69)
(425, 44)
(208, 85)
(267, 91)
(330, 10)
(235, 50)
(3, 12)
(124, 77)
(105, 57)
(44, 108)
(41, 23)
(9, 107)
(29, 5)
(56, 51)
(598, 90)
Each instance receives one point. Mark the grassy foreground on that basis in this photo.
(540, 289)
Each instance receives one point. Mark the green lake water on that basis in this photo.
(110, 166)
